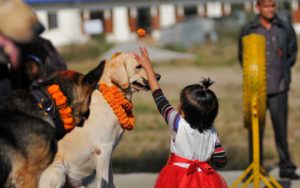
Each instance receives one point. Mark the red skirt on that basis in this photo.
(172, 176)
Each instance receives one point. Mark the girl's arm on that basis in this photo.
(167, 111)
(219, 157)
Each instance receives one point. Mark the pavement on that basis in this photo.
(147, 180)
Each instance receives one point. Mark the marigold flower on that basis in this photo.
(141, 32)
(53, 88)
(65, 112)
(121, 106)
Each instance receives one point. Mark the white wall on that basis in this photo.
(214, 9)
(121, 30)
(167, 15)
(69, 27)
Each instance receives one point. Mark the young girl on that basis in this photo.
(195, 142)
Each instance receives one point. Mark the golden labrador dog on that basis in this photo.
(89, 149)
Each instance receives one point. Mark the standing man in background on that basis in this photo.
(281, 52)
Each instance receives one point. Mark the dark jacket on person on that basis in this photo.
(287, 44)
(42, 49)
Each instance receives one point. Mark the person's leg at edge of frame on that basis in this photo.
(278, 106)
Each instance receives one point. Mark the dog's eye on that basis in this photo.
(139, 67)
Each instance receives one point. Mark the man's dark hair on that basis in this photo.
(199, 105)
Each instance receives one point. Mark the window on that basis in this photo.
(52, 20)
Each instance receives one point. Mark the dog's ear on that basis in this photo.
(118, 73)
(92, 78)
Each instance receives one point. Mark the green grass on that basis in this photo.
(176, 47)
(143, 108)
(221, 53)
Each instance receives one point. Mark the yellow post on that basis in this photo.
(254, 86)
(255, 138)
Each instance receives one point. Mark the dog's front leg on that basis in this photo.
(55, 175)
(111, 177)
(102, 167)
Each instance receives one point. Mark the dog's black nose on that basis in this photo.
(157, 76)
(38, 28)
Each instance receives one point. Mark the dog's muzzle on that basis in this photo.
(145, 85)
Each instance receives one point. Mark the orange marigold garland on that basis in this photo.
(121, 106)
(65, 111)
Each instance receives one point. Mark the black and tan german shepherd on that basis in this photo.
(30, 125)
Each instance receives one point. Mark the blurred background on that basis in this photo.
(187, 40)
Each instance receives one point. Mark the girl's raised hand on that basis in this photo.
(145, 62)
(144, 59)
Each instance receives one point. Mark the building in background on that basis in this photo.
(74, 21)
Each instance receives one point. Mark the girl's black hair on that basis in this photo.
(199, 105)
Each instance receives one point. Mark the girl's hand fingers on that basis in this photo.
(141, 51)
(135, 54)
(137, 57)
(146, 52)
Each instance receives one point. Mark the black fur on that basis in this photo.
(22, 123)
(5, 167)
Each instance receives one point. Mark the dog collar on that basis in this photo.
(46, 104)
(56, 107)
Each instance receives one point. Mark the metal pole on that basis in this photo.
(255, 136)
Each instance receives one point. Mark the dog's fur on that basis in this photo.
(18, 21)
(84, 151)
(28, 140)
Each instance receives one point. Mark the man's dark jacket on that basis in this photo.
(287, 43)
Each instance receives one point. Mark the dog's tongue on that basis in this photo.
(10, 50)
